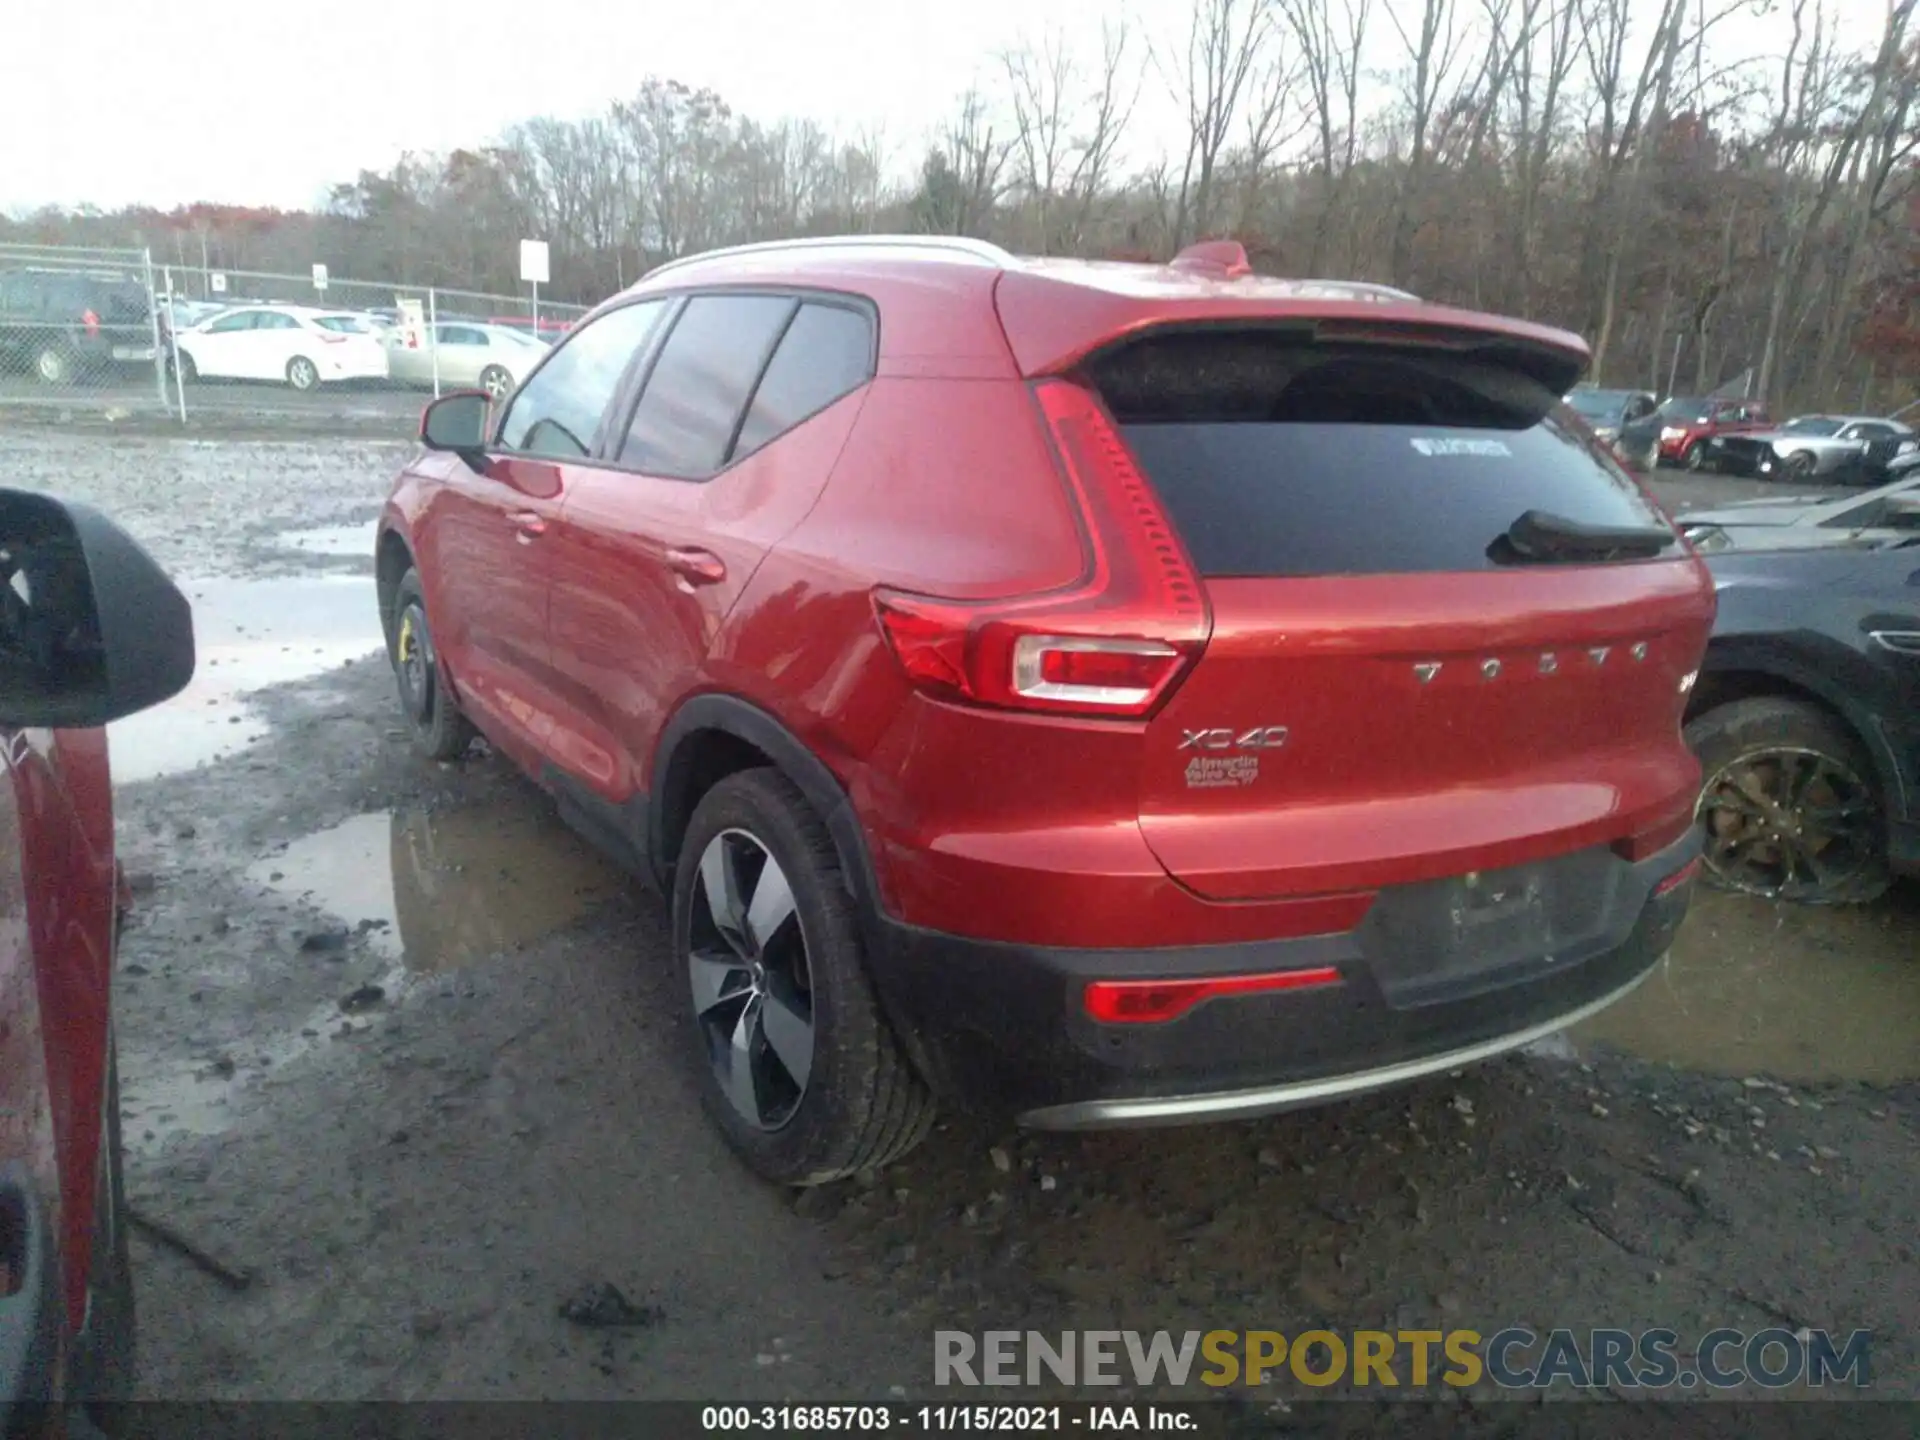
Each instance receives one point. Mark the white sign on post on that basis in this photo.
(533, 261)
(218, 282)
(320, 277)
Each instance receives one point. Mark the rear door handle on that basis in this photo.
(529, 523)
(696, 566)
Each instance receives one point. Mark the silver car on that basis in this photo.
(1807, 447)
(470, 356)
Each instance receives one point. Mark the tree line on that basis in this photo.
(1611, 166)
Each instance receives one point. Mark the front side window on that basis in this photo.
(558, 412)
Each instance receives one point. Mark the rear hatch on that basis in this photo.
(1448, 634)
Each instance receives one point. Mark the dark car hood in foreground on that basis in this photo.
(1788, 510)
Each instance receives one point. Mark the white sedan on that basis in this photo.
(493, 358)
(294, 344)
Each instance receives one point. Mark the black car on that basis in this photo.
(1888, 517)
(66, 325)
(1609, 412)
(1806, 719)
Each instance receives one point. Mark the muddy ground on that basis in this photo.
(401, 1050)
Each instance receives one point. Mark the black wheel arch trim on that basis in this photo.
(747, 722)
(1731, 656)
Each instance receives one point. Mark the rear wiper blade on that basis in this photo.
(1541, 537)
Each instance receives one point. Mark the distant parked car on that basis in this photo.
(488, 357)
(1676, 433)
(1611, 411)
(66, 325)
(1806, 719)
(298, 345)
(1809, 446)
(1880, 519)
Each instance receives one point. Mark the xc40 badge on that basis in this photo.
(1231, 757)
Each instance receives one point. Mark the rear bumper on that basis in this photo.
(1003, 1028)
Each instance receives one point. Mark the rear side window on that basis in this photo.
(1278, 457)
(685, 422)
(827, 352)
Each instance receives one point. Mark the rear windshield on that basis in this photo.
(1281, 458)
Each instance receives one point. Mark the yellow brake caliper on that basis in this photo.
(406, 637)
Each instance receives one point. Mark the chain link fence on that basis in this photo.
(79, 327)
(108, 334)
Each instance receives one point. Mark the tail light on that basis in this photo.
(1114, 644)
(333, 337)
(92, 322)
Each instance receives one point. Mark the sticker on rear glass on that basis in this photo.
(1495, 448)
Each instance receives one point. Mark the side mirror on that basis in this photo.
(91, 628)
(457, 423)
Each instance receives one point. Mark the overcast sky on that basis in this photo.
(163, 101)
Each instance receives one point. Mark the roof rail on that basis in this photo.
(980, 250)
(1365, 287)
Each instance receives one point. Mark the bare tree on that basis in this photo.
(1432, 41)
(1108, 110)
(1041, 81)
(1329, 43)
(1224, 42)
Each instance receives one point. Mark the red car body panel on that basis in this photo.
(56, 958)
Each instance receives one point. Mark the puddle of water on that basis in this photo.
(249, 634)
(442, 890)
(355, 540)
(1797, 993)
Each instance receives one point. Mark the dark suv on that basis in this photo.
(1109, 694)
(65, 325)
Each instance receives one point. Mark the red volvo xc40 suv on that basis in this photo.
(1105, 694)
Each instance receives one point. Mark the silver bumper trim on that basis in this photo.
(1269, 1099)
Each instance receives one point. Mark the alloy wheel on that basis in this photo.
(413, 659)
(1791, 824)
(751, 981)
(495, 381)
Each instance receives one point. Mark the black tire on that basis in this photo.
(1694, 457)
(440, 731)
(105, 1366)
(54, 364)
(862, 1105)
(189, 372)
(1828, 847)
(496, 382)
(1798, 466)
(303, 374)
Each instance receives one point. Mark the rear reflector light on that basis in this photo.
(1678, 878)
(333, 337)
(1153, 1002)
(1116, 643)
